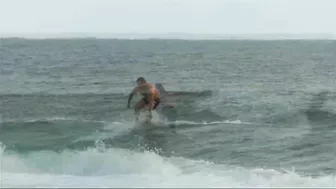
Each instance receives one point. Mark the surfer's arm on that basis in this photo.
(129, 99)
(134, 91)
(138, 89)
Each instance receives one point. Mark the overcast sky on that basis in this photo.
(164, 16)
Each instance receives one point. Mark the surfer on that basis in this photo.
(151, 97)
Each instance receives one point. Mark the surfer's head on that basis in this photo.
(140, 80)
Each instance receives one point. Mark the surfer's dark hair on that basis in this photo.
(141, 79)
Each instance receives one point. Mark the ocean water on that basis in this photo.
(246, 114)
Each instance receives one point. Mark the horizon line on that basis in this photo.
(169, 35)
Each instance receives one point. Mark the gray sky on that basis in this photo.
(164, 16)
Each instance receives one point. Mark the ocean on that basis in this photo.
(248, 113)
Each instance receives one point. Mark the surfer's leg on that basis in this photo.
(156, 103)
(138, 106)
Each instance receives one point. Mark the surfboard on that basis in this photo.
(143, 117)
(145, 123)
